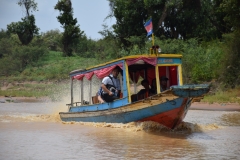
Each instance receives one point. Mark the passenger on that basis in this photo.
(143, 93)
(154, 86)
(163, 83)
(110, 87)
(99, 96)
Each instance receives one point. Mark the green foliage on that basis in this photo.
(5, 47)
(200, 61)
(52, 39)
(31, 90)
(232, 9)
(229, 96)
(53, 66)
(202, 20)
(103, 49)
(9, 66)
(231, 62)
(184, 19)
(29, 5)
(86, 47)
(107, 49)
(3, 34)
(129, 16)
(185, 27)
(72, 31)
(15, 58)
(25, 29)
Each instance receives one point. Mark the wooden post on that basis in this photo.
(71, 91)
(157, 78)
(180, 75)
(90, 91)
(152, 39)
(127, 79)
(167, 75)
(134, 84)
(81, 88)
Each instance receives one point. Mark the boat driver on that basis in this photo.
(163, 83)
(110, 87)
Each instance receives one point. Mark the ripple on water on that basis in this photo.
(231, 119)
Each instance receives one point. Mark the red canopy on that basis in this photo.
(152, 61)
(101, 73)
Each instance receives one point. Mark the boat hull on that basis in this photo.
(169, 113)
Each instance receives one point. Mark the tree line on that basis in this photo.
(206, 33)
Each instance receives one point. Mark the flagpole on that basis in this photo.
(149, 28)
(152, 39)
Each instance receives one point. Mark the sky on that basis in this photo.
(90, 15)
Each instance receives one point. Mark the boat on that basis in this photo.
(167, 108)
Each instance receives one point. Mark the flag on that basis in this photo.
(148, 27)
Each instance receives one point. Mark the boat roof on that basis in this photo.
(130, 57)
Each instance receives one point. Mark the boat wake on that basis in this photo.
(149, 126)
(228, 119)
(30, 118)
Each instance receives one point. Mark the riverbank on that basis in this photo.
(215, 106)
(38, 92)
(33, 91)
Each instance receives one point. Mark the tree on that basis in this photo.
(3, 34)
(232, 9)
(52, 39)
(71, 30)
(231, 60)
(175, 19)
(25, 29)
(130, 16)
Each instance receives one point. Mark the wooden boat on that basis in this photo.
(167, 108)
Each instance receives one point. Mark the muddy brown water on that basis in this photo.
(35, 131)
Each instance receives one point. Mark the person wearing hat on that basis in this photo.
(163, 83)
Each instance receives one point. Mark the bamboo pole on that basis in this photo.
(152, 39)
(81, 91)
(71, 91)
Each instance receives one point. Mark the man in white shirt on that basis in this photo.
(110, 87)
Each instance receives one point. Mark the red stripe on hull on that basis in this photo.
(170, 119)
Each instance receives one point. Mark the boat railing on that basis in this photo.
(77, 103)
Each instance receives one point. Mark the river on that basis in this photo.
(34, 131)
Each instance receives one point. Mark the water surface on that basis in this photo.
(34, 131)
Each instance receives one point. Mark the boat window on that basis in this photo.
(171, 73)
(138, 72)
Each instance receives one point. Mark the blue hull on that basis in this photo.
(132, 112)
